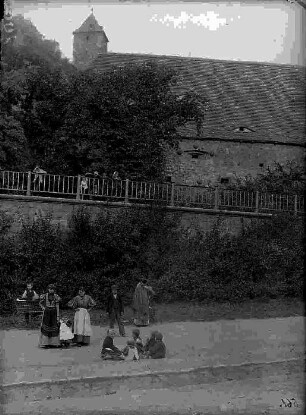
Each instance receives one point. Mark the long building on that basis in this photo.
(255, 115)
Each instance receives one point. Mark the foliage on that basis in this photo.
(288, 177)
(78, 121)
(13, 144)
(30, 48)
(265, 260)
(123, 119)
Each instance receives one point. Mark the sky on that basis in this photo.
(263, 31)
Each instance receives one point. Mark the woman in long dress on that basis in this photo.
(82, 303)
(50, 327)
(141, 303)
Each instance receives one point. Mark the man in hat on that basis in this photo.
(115, 310)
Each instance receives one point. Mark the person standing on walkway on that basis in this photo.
(115, 309)
(50, 326)
(30, 296)
(84, 186)
(39, 175)
(141, 303)
(82, 303)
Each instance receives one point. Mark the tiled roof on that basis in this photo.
(268, 100)
(90, 25)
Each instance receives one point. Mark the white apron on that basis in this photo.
(82, 325)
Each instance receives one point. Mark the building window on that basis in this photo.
(243, 130)
(194, 156)
(224, 180)
(261, 164)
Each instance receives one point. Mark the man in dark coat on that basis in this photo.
(115, 310)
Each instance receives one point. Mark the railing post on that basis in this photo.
(256, 201)
(172, 194)
(29, 184)
(216, 198)
(126, 196)
(295, 205)
(78, 187)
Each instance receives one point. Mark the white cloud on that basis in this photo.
(210, 20)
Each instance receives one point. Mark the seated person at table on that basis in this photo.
(138, 341)
(109, 350)
(158, 350)
(130, 351)
(29, 295)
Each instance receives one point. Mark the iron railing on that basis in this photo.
(130, 191)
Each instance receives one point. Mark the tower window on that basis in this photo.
(87, 37)
(194, 156)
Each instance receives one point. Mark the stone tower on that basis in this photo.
(88, 41)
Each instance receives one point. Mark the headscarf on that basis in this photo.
(158, 336)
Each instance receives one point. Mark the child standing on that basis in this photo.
(66, 335)
(115, 310)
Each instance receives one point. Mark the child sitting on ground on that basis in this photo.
(66, 335)
(130, 351)
(138, 341)
(158, 349)
(150, 341)
(109, 350)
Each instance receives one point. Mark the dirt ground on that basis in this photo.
(213, 344)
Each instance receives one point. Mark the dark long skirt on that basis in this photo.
(50, 329)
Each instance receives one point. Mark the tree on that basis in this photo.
(288, 177)
(33, 88)
(30, 48)
(125, 119)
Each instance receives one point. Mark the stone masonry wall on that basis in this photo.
(22, 208)
(226, 159)
(86, 47)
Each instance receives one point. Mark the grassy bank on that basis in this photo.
(187, 312)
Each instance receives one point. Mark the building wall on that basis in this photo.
(87, 46)
(226, 159)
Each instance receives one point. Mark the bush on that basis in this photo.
(263, 261)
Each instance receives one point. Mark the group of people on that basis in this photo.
(91, 187)
(135, 349)
(59, 332)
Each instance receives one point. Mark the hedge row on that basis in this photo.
(264, 260)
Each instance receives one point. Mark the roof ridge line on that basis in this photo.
(138, 54)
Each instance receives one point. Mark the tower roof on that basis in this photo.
(91, 25)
